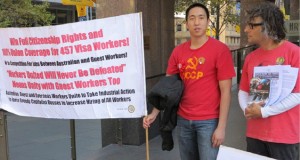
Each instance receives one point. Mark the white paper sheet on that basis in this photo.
(228, 153)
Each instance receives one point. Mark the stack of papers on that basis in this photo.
(271, 84)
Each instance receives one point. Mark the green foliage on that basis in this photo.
(181, 5)
(222, 9)
(23, 13)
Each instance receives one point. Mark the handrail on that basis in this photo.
(154, 76)
(242, 48)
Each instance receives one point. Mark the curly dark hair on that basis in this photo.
(273, 20)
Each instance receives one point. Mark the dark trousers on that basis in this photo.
(278, 151)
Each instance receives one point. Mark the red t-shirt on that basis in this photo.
(284, 127)
(201, 69)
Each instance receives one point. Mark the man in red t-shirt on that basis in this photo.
(206, 68)
(272, 131)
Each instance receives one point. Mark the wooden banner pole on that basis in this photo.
(147, 145)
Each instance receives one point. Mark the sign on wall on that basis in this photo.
(292, 27)
(78, 2)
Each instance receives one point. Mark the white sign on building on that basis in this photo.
(293, 27)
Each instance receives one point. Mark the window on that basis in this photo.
(62, 16)
(213, 11)
(178, 27)
(178, 41)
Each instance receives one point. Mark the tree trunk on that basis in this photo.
(294, 15)
(294, 8)
(218, 29)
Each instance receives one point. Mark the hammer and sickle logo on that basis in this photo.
(192, 63)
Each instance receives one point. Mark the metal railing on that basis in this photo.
(239, 56)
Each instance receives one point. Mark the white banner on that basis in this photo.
(86, 70)
(228, 153)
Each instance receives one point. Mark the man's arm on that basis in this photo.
(243, 99)
(149, 119)
(286, 104)
(219, 134)
(257, 111)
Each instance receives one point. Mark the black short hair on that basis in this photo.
(196, 5)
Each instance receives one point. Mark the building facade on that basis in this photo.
(65, 13)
